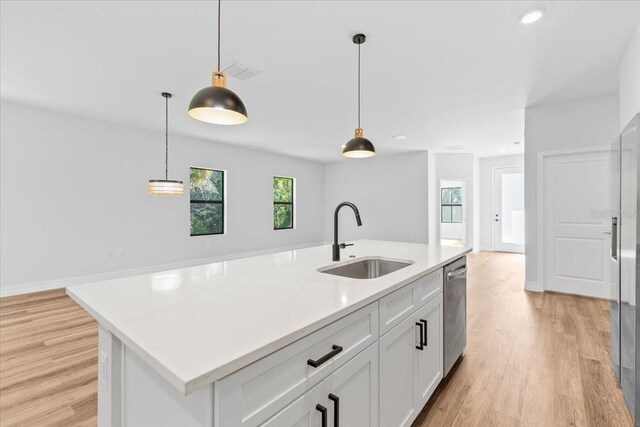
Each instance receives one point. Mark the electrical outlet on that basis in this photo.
(120, 252)
(107, 253)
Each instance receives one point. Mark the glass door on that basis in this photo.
(508, 206)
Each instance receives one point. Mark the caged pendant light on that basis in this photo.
(216, 104)
(359, 146)
(166, 187)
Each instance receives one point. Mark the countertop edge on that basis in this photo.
(188, 386)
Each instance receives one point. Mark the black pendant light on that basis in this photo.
(166, 187)
(359, 147)
(217, 104)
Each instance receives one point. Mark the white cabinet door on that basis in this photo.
(352, 391)
(305, 411)
(429, 361)
(397, 363)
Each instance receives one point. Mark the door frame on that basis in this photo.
(493, 205)
(540, 285)
(465, 204)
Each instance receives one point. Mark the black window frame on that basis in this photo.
(219, 202)
(450, 205)
(291, 203)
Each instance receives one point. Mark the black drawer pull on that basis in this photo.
(323, 411)
(425, 342)
(421, 326)
(315, 363)
(336, 409)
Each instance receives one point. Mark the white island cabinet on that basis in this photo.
(271, 341)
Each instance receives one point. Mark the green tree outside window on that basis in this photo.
(207, 201)
(283, 200)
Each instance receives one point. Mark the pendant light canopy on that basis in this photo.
(359, 146)
(166, 187)
(216, 104)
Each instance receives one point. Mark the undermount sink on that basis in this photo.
(366, 268)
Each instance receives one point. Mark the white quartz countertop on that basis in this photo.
(198, 324)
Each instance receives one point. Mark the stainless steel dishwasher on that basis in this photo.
(455, 312)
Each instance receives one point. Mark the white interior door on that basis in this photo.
(508, 209)
(575, 195)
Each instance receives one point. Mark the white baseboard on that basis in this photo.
(533, 286)
(25, 288)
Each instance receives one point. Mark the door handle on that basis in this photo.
(315, 363)
(614, 238)
(323, 412)
(336, 409)
(425, 341)
(457, 272)
(421, 326)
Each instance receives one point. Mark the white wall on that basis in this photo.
(74, 188)
(391, 193)
(629, 72)
(589, 122)
(455, 167)
(485, 195)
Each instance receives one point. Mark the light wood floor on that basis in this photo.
(532, 359)
(48, 361)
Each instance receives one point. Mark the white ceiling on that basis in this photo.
(441, 73)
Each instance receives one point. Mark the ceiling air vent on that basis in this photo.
(239, 71)
(454, 148)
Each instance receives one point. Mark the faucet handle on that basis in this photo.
(344, 245)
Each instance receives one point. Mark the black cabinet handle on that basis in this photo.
(315, 363)
(421, 326)
(336, 409)
(323, 411)
(425, 341)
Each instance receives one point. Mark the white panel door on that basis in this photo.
(508, 209)
(397, 359)
(429, 362)
(309, 410)
(575, 222)
(352, 391)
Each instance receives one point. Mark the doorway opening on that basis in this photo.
(453, 212)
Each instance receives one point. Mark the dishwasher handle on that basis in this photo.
(457, 272)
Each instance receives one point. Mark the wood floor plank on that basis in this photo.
(532, 359)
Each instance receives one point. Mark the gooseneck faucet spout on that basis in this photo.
(337, 246)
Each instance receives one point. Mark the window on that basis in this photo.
(207, 201)
(283, 198)
(451, 204)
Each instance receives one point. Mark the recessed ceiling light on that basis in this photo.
(531, 17)
(400, 137)
(502, 150)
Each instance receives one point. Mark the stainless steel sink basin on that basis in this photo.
(366, 268)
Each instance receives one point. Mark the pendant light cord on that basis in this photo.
(359, 86)
(219, 2)
(166, 139)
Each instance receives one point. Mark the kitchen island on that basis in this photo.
(259, 340)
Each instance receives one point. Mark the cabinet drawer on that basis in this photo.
(255, 393)
(428, 287)
(397, 306)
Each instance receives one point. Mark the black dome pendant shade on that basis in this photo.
(216, 104)
(359, 147)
